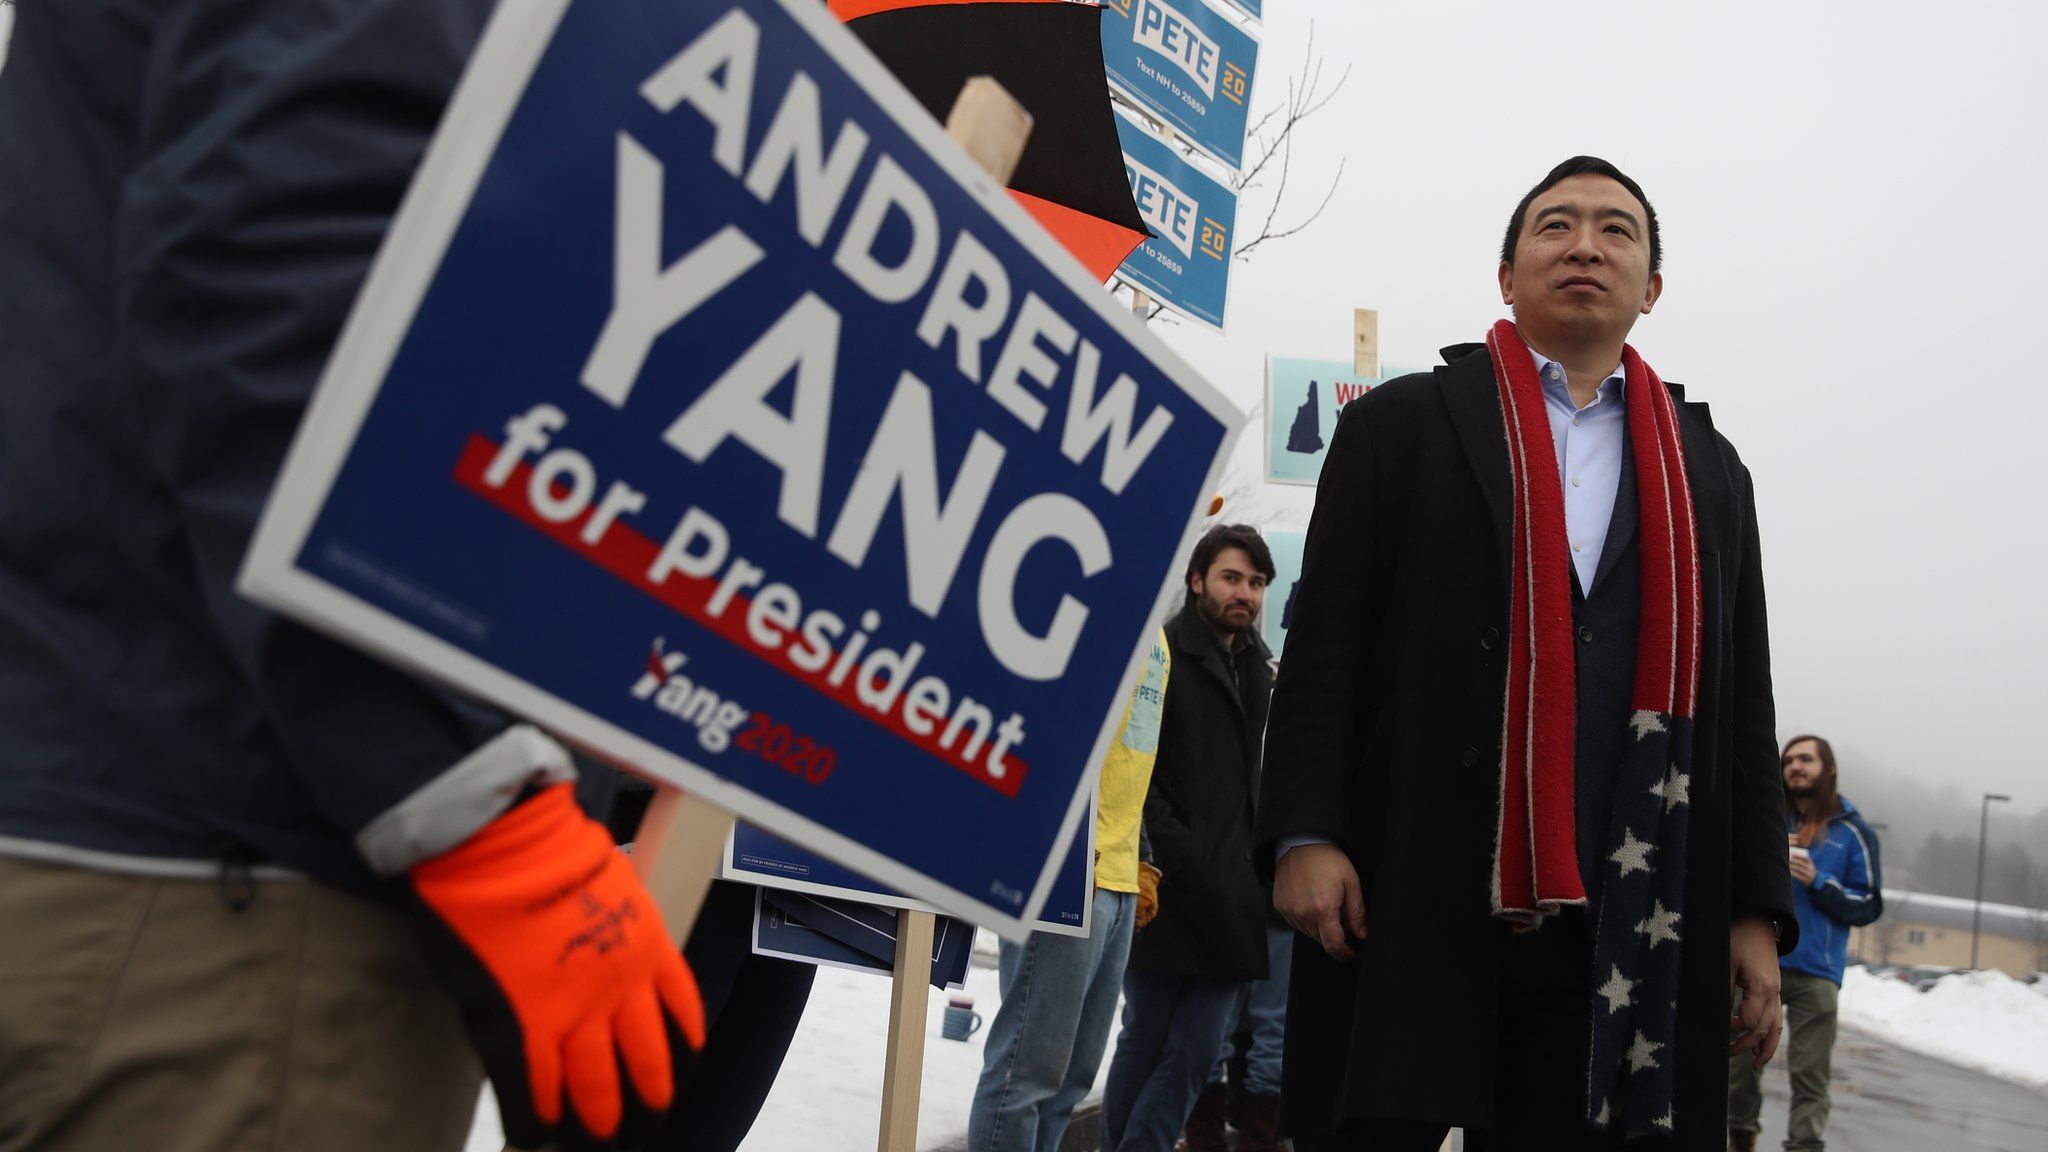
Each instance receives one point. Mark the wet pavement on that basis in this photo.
(1887, 1099)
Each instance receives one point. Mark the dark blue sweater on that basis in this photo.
(191, 192)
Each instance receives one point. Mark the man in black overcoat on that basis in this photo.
(1415, 1006)
(1209, 938)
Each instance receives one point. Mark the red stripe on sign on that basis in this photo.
(628, 554)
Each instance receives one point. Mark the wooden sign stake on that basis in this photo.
(903, 1068)
(1365, 342)
(993, 127)
(989, 123)
(676, 852)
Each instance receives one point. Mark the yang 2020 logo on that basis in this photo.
(664, 683)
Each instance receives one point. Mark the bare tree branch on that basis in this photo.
(1272, 148)
(1269, 234)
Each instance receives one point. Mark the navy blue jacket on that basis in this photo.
(190, 195)
(1847, 892)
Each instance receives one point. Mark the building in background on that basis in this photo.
(1918, 928)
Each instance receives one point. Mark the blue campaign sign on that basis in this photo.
(1303, 400)
(1251, 8)
(1278, 612)
(761, 858)
(1186, 64)
(709, 407)
(1186, 264)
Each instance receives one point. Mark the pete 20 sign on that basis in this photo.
(709, 407)
(1185, 64)
(1186, 262)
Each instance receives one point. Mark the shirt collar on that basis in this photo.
(1609, 392)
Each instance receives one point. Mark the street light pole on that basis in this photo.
(1983, 829)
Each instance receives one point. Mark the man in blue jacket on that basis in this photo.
(1836, 886)
(254, 885)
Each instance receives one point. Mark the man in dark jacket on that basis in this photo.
(1189, 964)
(1837, 885)
(1522, 783)
(211, 820)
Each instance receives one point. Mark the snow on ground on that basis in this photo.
(1986, 1021)
(829, 1095)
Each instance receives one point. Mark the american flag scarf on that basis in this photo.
(1535, 874)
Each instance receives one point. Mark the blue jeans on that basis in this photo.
(1059, 997)
(1173, 1027)
(1265, 1003)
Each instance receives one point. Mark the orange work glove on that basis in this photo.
(1148, 893)
(564, 972)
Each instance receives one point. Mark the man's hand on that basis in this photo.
(1316, 889)
(1148, 894)
(1803, 869)
(1753, 968)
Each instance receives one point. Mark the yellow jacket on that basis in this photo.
(1127, 773)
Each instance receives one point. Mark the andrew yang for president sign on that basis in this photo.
(707, 406)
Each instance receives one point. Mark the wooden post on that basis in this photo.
(989, 123)
(676, 853)
(1365, 342)
(1141, 302)
(992, 126)
(903, 1068)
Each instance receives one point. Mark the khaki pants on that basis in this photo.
(1810, 1027)
(139, 1012)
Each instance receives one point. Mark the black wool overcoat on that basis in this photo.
(1385, 737)
(1198, 812)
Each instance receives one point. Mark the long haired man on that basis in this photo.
(1833, 857)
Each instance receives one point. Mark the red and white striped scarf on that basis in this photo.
(1536, 871)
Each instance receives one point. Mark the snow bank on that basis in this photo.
(1982, 1020)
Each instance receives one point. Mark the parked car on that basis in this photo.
(1925, 976)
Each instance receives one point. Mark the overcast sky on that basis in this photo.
(1855, 251)
(1851, 199)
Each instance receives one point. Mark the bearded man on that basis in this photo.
(1189, 964)
(1522, 782)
